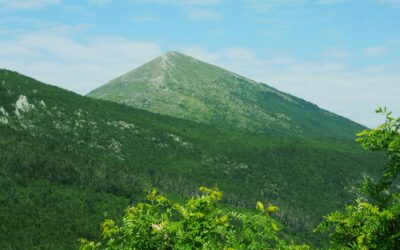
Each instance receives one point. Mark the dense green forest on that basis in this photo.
(371, 222)
(67, 162)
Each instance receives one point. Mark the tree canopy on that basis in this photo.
(373, 222)
(197, 224)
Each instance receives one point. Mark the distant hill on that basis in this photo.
(68, 161)
(181, 86)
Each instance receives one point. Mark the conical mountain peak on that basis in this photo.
(182, 86)
(172, 54)
(173, 59)
(166, 62)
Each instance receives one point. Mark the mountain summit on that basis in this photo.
(178, 85)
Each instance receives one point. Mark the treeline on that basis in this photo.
(370, 222)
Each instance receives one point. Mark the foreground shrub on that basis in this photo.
(197, 224)
(373, 222)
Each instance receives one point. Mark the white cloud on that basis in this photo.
(332, 1)
(99, 2)
(183, 2)
(376, 51)
(204, 15)
(382, 50)
(198, 52)
(52, 56)
(27, 4)
(335, 53)
(194, 9)
(266, 6)
(145, 17)
(394, 2)
(233, 53)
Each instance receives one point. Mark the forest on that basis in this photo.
(69, 162)
(370, 222)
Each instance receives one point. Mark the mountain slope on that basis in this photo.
(68, 161)
(181, 86)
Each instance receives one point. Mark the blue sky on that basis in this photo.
(343, 55)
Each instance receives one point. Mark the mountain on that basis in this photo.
(69, 161)
(181, 86)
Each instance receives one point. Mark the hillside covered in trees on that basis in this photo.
(67, 162)
(370, 222)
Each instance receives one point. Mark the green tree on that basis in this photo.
(197, 224)
(373, 222)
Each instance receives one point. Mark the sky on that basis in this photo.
(343, 55)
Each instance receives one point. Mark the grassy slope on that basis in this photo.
(69, 159)
(181, 86)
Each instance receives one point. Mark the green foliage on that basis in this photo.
(384, 138)
(197, 224)
(112, 153)
(375, 222)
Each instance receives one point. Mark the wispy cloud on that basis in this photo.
(376, 51)
(382, 50)
(99, 2)
(266, 6)
(332, 1)
(335, 53)
(55, 57)
(145, 17)
(194, 9)
(26, 4)
(204, 15)
(393, 2)
(183, 2)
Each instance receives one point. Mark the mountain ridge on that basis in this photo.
(182, 86)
